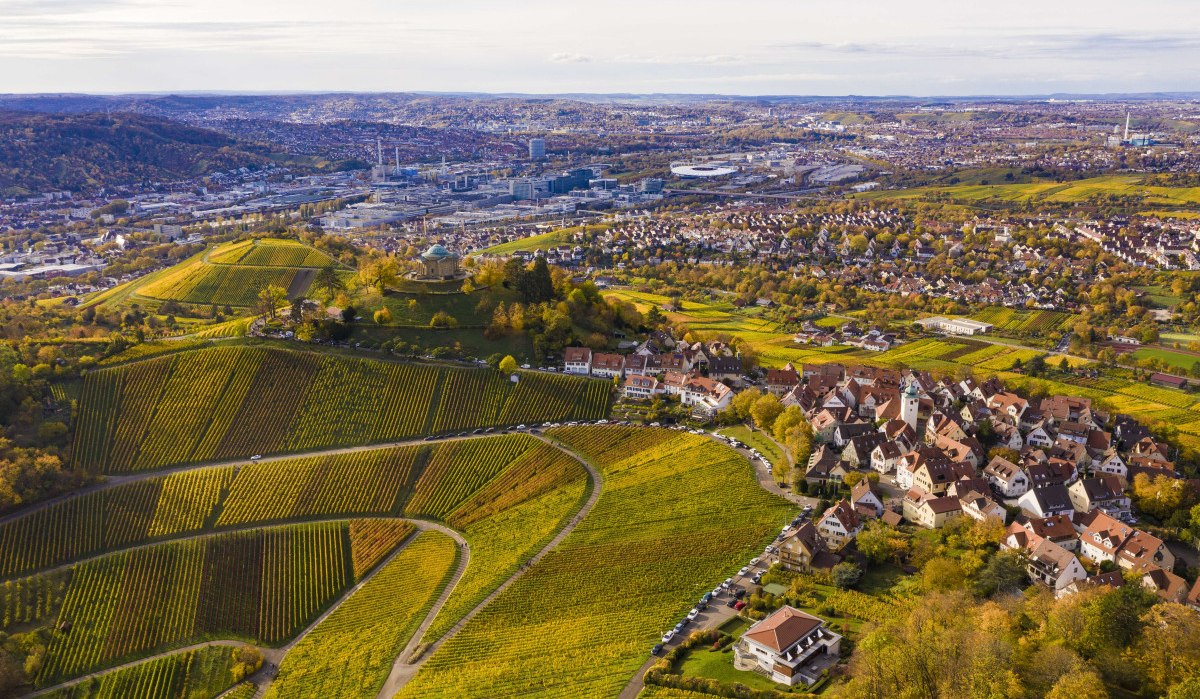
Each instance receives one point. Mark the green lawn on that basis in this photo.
(718, 665)
(543, 241)
(760, 441)
(1179, 360)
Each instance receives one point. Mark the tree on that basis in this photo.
(791, 417)
(845, 575)
(383, 316)
(443, 320)
(1082, 684)
(1003, 574)
(942, 574)
(880, 543)
(765, 410)
(508, 365)
(270, 298)
(329, 281)
(742, 402)
(1169, 649)
(380, 273)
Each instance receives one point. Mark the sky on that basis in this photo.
(744, 47)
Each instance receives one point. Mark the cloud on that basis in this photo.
(564, 57)
(712, 59)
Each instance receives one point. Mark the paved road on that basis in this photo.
(406, 666)
(716, 614)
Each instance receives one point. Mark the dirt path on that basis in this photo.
(407, 666)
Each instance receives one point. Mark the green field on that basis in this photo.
(542, 241)
(760, 441)
(1181, 361)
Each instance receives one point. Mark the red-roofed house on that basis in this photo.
(787, 646)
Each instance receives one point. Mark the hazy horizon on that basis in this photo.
(763, 47)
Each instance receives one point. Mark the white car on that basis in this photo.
(256, 457)
(743, 571)
(693, 614)
(668, 636)
(754, 561)
(717, 591)
(728, 582)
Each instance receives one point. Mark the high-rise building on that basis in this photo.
(537, 148)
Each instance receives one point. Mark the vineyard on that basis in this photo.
(269, 253)
(676, 514)
(1024, 321)
(465, 483)
(193, 674)
(233, 274)
(262, 585)
(229, 402)
(350, 653)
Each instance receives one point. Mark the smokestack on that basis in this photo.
(397, 158)
(379, 152)
(1126, 125)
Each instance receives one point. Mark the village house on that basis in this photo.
(641, 387)
(1107, 539)
(1053, 566)
(928, 511)
(864, 498)
(789, 646)
(607, 366)
(803, 551)
(839, 525)
(577, 360)
(1103, 492)
(1047, 500)
(1006, 477)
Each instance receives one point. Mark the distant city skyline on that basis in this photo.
(753, 47)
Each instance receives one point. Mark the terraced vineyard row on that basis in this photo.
(350, 653)
(269, 253)
(193, 674)
(262, 585)
(462, 482)
(221, 403)
(109, 519)
(220, 284)
(677, 513)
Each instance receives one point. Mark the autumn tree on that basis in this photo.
(270, 298)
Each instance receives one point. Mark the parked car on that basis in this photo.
(715, 593)
(744, 571)
(668, 636)
(732, 601)
(739, 606)
(754, 561)
(741, 592)
(694, 613)
(727, 584)
(256, 457)
(656, 649)
(706, 598)
(757, 578)
(680, 626)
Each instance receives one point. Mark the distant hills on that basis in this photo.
(83, 152)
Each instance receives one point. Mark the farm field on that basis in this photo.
(649, 536)
(542, 241)
(350, 653)
(230, 402)
(193, 674)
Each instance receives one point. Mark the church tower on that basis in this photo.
(909, 402)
